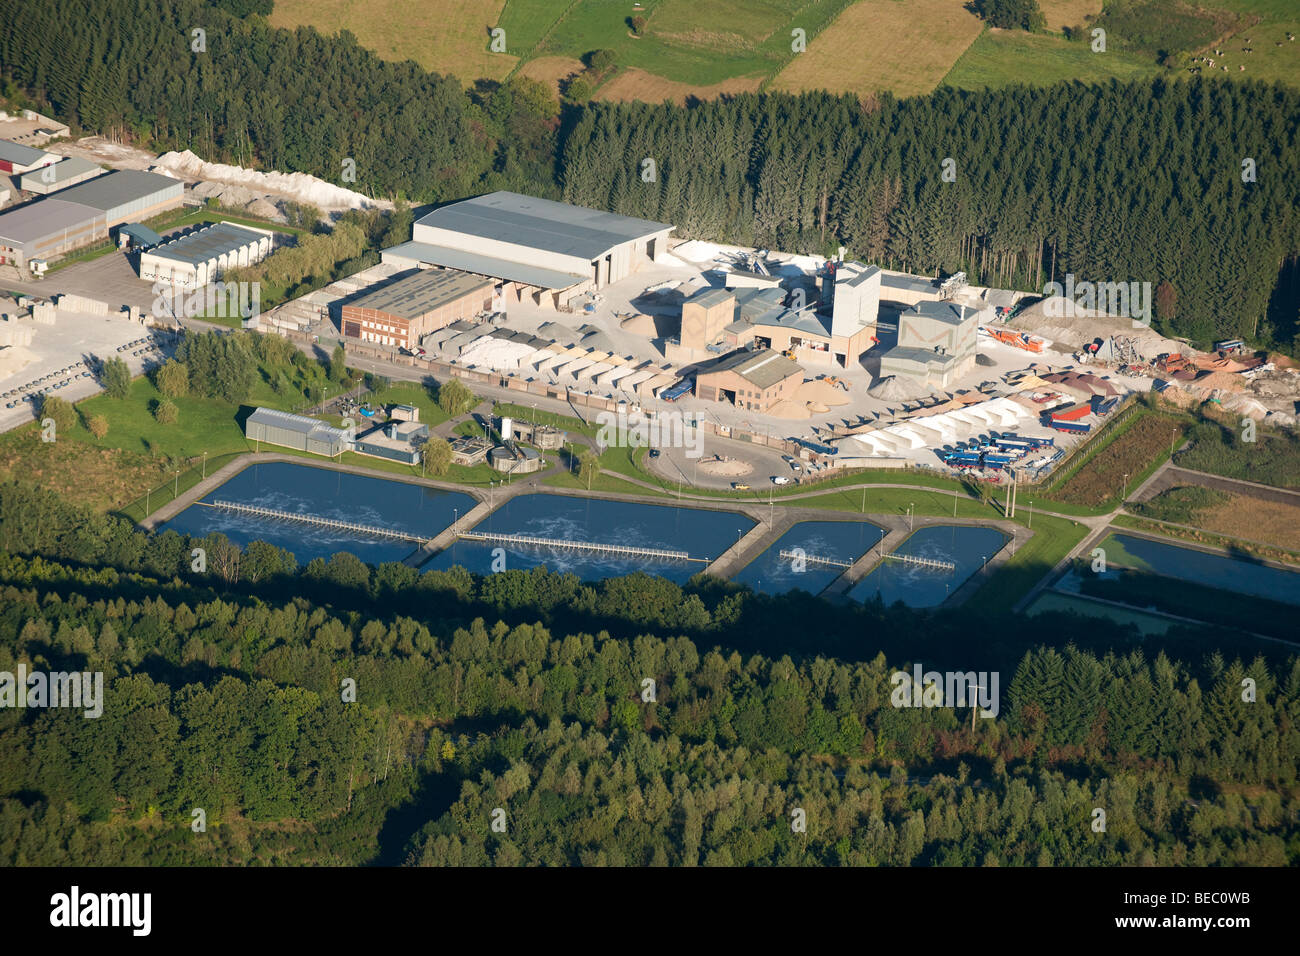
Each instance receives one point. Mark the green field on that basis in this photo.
(714, 47)
(1004, 58)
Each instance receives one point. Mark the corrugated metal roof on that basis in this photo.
(301, 424)
(20, 155)
(541, 224)
(118, 188)
(419, 293)
(207, 242)
(485, 265)
(64, 169)
(39, 219)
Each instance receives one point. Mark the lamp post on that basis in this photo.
(1123, 492)
(910, 507)
(176, 483)
(455, 521)
(205, 466)
(1031, 513)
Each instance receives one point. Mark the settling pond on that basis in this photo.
(329, 494)
(966, 546)
(701, 533)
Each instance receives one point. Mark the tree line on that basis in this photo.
(233, 704)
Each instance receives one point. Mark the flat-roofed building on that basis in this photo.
(193, 259)
(296, 431)
(752, 380)
(127, 195)
(548, 251)
(47, 228)
(395, 440)
(66, 172)
(907, 289)
(406, 310)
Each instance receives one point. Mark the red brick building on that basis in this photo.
(403, 312)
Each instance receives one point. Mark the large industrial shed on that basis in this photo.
(127, 195)
(403, 312)
(61, 175)
(17, 158)
(192, 260)
(548, 251)
(296, 431)
(50, 227)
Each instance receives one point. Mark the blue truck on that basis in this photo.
(1060, 426)
(678, 390)
(1103, 406)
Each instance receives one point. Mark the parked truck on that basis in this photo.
(1067, 426)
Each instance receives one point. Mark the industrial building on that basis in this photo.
(752, 380)
(546, 251)
(17, 158)
(403, 312)
(834, 335)
(395, 440)
(67, 172)
(127, 195)
(936, 344)
(47, 228)
(296, 431)
(908, 289)
(193, 259)
(82, 214)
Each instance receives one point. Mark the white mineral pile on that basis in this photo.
(299, 187)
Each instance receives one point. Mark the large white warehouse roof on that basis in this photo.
(541, 224)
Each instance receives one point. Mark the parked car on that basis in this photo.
(654, 452)
(780, 480)
(739, 486)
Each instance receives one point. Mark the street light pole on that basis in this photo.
(205, 466)
(910, 514)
